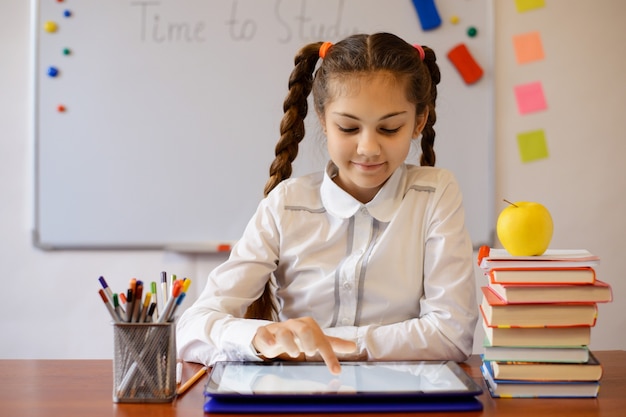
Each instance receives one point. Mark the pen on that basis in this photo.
(186, 284)
(137, 301)
(163, 290)
(151, 312)
(144, 310)
(118, 308)
(131, 299)
(106, 288)
(153, 290)
(122, 300)
(165, 315)
(108, 305)
(191, 381)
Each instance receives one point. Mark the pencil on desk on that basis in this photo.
(191, 381)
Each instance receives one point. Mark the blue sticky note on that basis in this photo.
(427, 13)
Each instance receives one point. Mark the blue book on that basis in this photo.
(506, 388)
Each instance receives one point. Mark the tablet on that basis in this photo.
(285, 380)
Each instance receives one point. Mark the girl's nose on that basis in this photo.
(368, 144)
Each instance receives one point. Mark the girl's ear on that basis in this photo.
(420, 122)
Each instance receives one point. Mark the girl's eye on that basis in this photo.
(389, 131)
(347, 129)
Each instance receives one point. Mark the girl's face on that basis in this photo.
(369, 125)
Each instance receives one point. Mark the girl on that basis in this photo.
(368, 260)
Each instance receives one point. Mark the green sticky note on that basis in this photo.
(532, 145)
(526, 5)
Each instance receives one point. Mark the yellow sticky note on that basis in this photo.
(528, 47)
(532, 145)
(526, 5)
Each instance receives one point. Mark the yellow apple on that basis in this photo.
(525, 228)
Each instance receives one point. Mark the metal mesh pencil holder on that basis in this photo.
(144, 362)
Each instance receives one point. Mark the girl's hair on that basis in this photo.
(354, 56)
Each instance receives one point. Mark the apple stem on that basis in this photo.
(514, 205)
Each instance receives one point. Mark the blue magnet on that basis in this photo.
(67, 13)
(427, 13)
(53, 71)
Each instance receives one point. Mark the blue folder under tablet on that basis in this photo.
(308, 387)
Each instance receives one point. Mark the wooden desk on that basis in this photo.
(83, 388)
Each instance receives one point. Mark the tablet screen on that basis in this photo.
(423, 378)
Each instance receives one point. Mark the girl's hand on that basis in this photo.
(298, 338)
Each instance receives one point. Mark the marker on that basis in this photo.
(177, 287)
(186, 284)
(153, 289)
(122, 300)
(163, 290)
(172, 284)
(144, 310)
(150, 313)
(167, 311)
(118, 309)
(108, 305)
(179, 301)
(106, 288)
(137, 301)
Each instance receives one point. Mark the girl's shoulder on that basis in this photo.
(428, 176)
(302, 191)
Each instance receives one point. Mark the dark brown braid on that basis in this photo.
(355, 55)
(428, 133)
(295, 108)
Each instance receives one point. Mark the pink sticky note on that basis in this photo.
(528, 47)
(530, 97)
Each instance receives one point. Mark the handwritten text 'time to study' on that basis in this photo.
(292, 20)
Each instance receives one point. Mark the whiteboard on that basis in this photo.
(159, 128)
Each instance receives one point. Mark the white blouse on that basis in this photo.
(394, 275)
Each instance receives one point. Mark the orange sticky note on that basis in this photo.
(526, 5)
(528, 47)
(532, 145)
(530, 97)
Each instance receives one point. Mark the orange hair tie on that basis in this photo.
(324, 48)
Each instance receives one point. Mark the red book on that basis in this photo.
(598, 292)
(499, 313)
(542, 275)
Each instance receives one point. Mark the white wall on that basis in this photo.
(50, 308)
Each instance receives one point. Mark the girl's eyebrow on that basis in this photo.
(387, 116)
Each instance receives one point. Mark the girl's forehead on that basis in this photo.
(351, 84)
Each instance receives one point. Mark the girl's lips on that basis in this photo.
(368, 166)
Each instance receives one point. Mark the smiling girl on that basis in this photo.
(368, 260)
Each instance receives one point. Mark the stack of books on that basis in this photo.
(537, 313)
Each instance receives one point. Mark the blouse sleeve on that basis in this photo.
(213, 327)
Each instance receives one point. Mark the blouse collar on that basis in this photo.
(382, 207)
